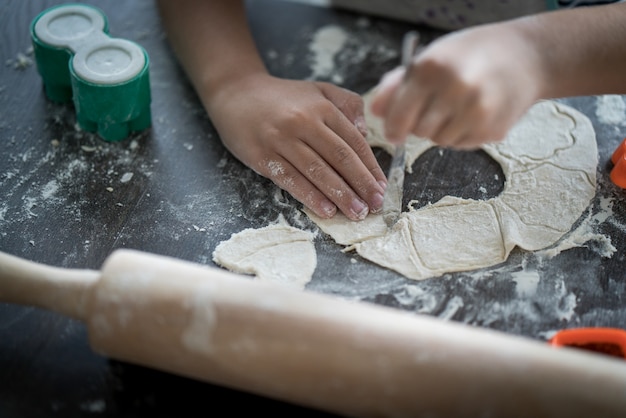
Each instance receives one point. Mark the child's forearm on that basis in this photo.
(212, 41)
(582, 51)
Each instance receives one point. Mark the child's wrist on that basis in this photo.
(219, 89)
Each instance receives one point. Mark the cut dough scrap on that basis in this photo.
(427, 243)
(345, 232)
(276, 253)
(549, 160)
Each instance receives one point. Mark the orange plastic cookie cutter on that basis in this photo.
(610, 341)
(618, 173)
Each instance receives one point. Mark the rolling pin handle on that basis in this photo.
(61, 290)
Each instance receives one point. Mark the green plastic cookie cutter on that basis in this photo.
(106, 78)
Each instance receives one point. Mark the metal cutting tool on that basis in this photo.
(392, 205)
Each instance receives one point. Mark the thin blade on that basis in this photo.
(392, 204)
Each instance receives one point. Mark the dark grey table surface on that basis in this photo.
(64, 204)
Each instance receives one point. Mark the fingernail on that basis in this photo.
(377, 202)
(359, 209)
(383, 184)
(328, 208)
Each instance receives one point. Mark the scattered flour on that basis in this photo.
(537, 298)
(452, 308)
(425, 302)
(611, 109)
(97, 406)
(526, 282)
(568, 308)
(57, 177)
(337, 54)
(126, 177)
(22, 60)
(326, 43)
(50, 189)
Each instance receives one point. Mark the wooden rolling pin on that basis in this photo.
(351, 358)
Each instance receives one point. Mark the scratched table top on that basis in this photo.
(69, 199)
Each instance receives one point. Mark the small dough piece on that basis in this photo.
(549, 159)
(275, 253)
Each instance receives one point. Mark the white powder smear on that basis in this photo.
(611, 109)
(50, 189)
(197, 337)
(326, 43)
(275, 168)
(452, 308)
(526, 282)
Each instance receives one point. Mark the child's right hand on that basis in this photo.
(465, 89)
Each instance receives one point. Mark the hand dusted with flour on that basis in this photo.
(302, 134)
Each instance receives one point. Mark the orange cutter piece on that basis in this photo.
(610, 341)
(618, 173)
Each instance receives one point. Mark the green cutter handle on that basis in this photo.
(107, 78)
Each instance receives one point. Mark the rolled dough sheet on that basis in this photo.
(277, 253)
(549, 160)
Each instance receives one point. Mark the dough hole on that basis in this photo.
(464, 174)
